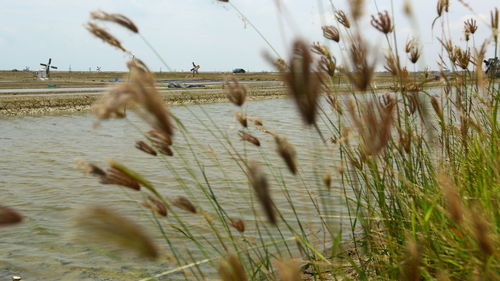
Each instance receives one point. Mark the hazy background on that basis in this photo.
(208, 32)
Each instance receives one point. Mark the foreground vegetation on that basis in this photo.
(418, 170)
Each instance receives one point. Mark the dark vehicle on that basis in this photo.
(239, 70)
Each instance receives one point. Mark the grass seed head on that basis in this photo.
(289, 270)
(331, 32)
(249, 138)
(327, 179)
(357, 7)
(260, 185)
(287, 153)
(391, 64)
(141, 145)
(237, 93)
(442, 6)
(148, 97)
(116, 18)
(105, 226)
(113, 103)
(453, 203)
(383, 22)
(103, 34)
(185, 204)
(231, 269)
(494, 20)
(361, 73)
(482, 232)
(342, 19)
(303, 81)
(242, 119)
(412, 263)
(237, 224)
(9, 216)
(117, 177)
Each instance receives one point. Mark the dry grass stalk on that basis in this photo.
(259, 183)
(156, 206)
(361, 72)
(141, 145)
(237, 92)
(108, 227)
(185, 204)
(331, 32)
(9, 216)
(116, 18)
(231, 269)
(374, 125)
(342, 19)
(149, 98)
(237, 224)
(161, 142)
(249, 138)
(287, 153)
(289, 270)
(303, 82)
(101, 33)
(383, 22)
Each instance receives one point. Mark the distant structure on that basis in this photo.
(47, 67)
(492, 67)
(27, 69)
(98, 68)
(195, 69)
(239, 70)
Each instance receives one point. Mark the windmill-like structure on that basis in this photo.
(195, 69)
(48, 67)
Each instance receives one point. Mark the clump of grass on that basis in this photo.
(420, 186)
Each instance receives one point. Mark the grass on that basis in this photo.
(417, 171)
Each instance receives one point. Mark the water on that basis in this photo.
(37, 178)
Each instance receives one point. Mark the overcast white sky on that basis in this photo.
(205, 31)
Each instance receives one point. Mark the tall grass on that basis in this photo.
(418, 172)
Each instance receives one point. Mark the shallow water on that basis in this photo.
(37, 178)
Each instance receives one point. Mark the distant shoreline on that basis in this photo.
(19, 106)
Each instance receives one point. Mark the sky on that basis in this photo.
(209, 32)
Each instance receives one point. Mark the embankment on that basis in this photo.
(12, 106)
